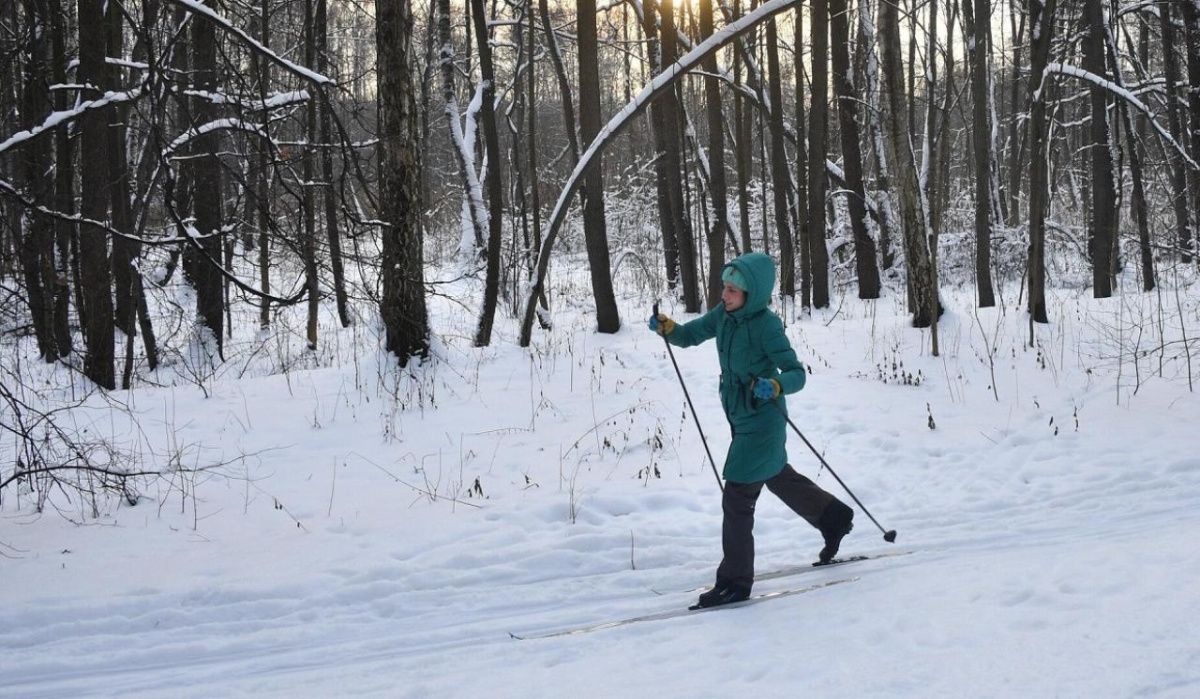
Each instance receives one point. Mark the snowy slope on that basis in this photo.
(343, 548)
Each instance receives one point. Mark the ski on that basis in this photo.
(674, 613)
(808, 568)
(796, 570)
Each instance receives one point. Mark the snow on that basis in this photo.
(55, 119)
(1129, 97)
(337, 544)
(226, 124)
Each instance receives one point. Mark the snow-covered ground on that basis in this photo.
(365, 533)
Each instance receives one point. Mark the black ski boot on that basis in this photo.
(721, 594)
(835, 523)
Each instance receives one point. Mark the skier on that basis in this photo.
(758, 367)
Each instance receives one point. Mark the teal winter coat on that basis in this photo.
(750, 344)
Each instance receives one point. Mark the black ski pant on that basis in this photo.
(737, 531)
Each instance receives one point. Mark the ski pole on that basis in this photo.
(688, 396)
(889, 535)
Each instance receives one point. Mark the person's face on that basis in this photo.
(733, 297)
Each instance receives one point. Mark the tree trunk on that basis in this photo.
(535, 201)
(981, 131)
(36, 246)
(210, 302)
(402, 305)
(495, 187)
(262, 187)
(1191, 21)
(818, 134)
(743, 146)
(95, 271)
(1104, 195)
(332, 230)
(1016, 142)
(1041, 23)
(564, 83)
(847, 105)
(130, 306)
(64, 186)
(716, 162)
(671, 118)
(887, 224)
(308, 191)
(463, 153)
(804, 231)
(916, 248)
(662, 175)
(1137, 203)
(779, 167)
(1179, 199)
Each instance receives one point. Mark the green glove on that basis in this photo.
(662, 324)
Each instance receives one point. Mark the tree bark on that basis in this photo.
(744, 137)
(1137, 203)
(818, 134)
(662, 175)
(95, 271)
(781, 180)
(804, 231)
(1041, 23)
(495, 187)
(671, 117)
(210, 301)
(564, 83)
(916, 248)
(64, 186)
(36, 245)
(1104, 195)
(325, 115)
(1191, 21)
(1179, 197)
(716, 162)
(849, 130)
(978, 40)
(402, 305)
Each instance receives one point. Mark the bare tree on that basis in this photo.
(402, 304)
(594, 227)
(850, 132)
(921, 283)
(1041, 23)
(96, 312)
(1104, 195)
(781, 180)
(672, 117)
(1179, 198)
(207, 198)
(716, 162)
(495, 187)
(977, 15)
(818, 133)
(325, 115)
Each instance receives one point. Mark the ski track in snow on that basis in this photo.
(1045, 564)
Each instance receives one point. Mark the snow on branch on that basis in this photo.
(274, 101)
(207, 12)
(7, 189)
(1122, 93)
(58, 118)
(215, 125)
(623, 118)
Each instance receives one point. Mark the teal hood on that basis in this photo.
(759, 271)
